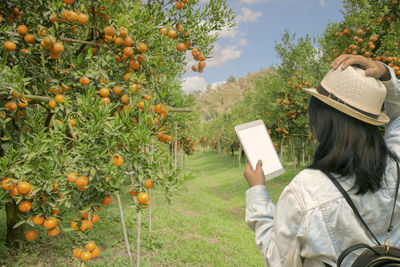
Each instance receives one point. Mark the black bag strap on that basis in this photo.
(350, 202)
(390, 228)
(347, 251)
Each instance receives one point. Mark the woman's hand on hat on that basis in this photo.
(372, 68)
(254, 177)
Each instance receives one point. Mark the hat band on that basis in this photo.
(324, 92)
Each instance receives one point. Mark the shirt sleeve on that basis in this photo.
(392, 109)
(279, 232)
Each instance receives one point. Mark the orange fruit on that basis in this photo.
(86, 255)
(164, 31)
(52, 104)
(95, 218)
(143, 198)
(105, 100)
(125, 99)
(141, 58)
(119, 41)
(107, 200)
(29, 38)
(58, 48)
(14, 193)
(90, 246)
(56, 187)
(31, 235)
(72, 177)
(123, 31)
(50, 223)
(22, 29)
(128, 41)
(68, 2)
(149, 183)
(77, 252)
(10, 46)
(23, 103)
(86, 224)
(82, 18)
(134, 64)
(74, 225)
(72, 121)
(95, 252)
(172, 33)
(82, 181)
(25, 206)
(104, 92)
(128, 51)
(85, 214)
(60, 98)
(181, 47)
(54, 231)
(109, 30)
(24, 188)
(142, 47)
(7, 184)
(117, 160)
(117, 90)
(84, 80)
(134, 87)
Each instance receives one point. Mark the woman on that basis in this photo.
(312, 223)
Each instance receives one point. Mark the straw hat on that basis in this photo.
(353, 93)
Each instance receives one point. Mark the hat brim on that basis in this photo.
(381, 120)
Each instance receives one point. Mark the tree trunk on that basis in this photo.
(128, 249)
(281, 152)
(293, 152)
(303, 152)
(14, 235)
(240, 156)
(176, 146)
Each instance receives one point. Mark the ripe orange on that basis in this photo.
(195, 51)
(141, 58)
(107, 200)
(202, 65)
(58, 48)
(95, 252)
(68, 2)
(109, 30)
(125, 99)
(179, 5)
(82, 18)
(29, 38)
(50, 223)
(95, 218)
(117, 160)
(23, 103)
(85, 214)
(134, 64)
(104, 92)
(31, 235)
(84, 80)
(123, 31)
(53, 232)
(86, 255)
(72, 177)
(172, 33)
(52, 104)
(25, 206)
(74, 225)
(22, 29)
(195, 68)
(77, 252)
(142, 47)
(7, 184)
(14, 193)
(143, 198)
(90, 246)
(117, 90)
(86, 224)
(10, 46)
(128, 51)
(72, 121)
(105, 100)
(60, 98)
(119, 41)
(24, 188)
(128, 41)
(164, 31)
(134, 87)
(82, 181)
(181, 47)
(149, 184)
(141, 105)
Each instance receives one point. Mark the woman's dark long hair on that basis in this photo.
(347, 146)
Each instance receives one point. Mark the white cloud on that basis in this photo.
(226, 32)
(243, 42)
(248, 15)
(221, 55)
(193, 84)
(217, 84)
(322, 2)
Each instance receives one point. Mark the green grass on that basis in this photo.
(202, 226)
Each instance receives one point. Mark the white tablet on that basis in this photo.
(257, 145)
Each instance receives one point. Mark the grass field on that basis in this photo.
(202, 226)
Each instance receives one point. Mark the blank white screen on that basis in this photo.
(258, 146)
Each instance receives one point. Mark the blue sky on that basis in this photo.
(250, 46)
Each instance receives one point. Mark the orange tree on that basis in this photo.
(85, 87)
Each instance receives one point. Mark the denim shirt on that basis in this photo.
(312, 223)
